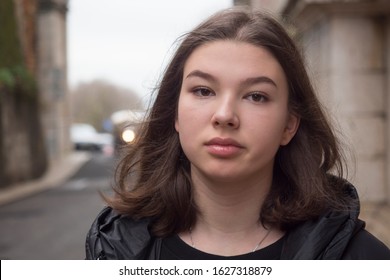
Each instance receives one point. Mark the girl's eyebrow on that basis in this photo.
(201, 74)
(246, 82)
(259, 80)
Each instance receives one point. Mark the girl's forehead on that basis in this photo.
(222, 49)
(235, 58)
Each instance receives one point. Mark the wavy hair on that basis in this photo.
(153, 178)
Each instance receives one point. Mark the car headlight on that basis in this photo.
(128, 135)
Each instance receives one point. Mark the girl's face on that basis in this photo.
(233, 111)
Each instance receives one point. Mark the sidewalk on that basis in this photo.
(58, 173)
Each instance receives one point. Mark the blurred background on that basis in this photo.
(76, 77)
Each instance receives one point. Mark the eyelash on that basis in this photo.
(260, 95)
(200, 91)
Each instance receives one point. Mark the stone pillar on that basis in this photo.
(387, 104)
(345, 47)
(52, 76)
(357, 81)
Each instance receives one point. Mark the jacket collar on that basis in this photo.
(326, 237)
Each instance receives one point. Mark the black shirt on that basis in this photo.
(173, 248)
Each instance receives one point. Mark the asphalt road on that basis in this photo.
(52, 225)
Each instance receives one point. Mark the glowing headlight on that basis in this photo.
(128, 135)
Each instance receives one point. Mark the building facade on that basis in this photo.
(34, 114)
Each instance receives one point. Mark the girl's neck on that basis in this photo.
(227, 206)
(228, 223)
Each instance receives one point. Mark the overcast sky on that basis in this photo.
(126, 42)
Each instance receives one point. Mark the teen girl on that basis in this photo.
(234, 159)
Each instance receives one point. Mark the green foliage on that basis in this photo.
(10, 49)
(14, 76)
(6, 78)
(18, 79)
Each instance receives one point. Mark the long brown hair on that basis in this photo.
(153, 178)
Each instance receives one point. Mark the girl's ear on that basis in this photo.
(291, 128)
(177, 124)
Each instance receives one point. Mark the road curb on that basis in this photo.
(57, 173)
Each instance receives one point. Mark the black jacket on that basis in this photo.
(334, 235)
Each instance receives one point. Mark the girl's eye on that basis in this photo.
(202, 92)
(257, 97)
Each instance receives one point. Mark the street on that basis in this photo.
(53, 224)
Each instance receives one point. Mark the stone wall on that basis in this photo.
(22, 152)
(34, 106)
(347, 52)
(346, 58)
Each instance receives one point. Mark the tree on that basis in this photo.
(95, 101)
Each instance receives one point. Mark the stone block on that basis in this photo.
(357, 43)
(366, 134)
(370, 180)
(359, 93)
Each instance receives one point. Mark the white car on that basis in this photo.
(85, 137)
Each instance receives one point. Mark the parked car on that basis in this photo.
(85, 137)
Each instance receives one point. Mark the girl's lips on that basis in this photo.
(223, 142)
(223, 147)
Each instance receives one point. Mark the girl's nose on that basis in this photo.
(225, 114)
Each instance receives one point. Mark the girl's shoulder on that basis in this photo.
(365, 246)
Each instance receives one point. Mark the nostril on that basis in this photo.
(224, 118)
(231, 124)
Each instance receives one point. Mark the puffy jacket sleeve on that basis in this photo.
(93, 247)
(114, 236)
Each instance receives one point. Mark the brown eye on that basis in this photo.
(202, 92)
(257, 97)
